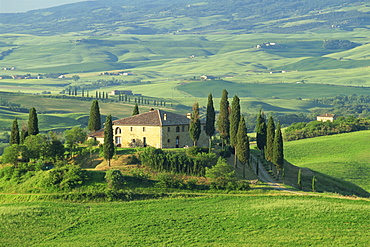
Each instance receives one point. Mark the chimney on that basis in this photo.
(165, 117)
(188, 115)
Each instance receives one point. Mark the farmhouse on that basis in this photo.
(117, 92)
(156, 128)
(326, 117)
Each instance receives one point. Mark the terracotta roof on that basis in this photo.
(98, 134)
(154, 118)
(327, 115)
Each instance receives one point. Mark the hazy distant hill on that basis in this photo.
(162, 16)
(16, 6)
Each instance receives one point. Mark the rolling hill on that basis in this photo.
(344, 156)
(194, 16)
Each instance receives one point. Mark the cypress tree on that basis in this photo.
(270, 134)
(234, 124)
(33, 123)
(223, 122)
(278, 150)
(261, 132)
(108, 146)
(195, 126)
(24, 134)
(94, 119)
(313, 184)
(136, 110)
(299, 179)
(14, 134)
(242, 148)
(210, 120)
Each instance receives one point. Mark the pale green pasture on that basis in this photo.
(344, 156)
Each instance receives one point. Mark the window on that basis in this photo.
(169, 129)
(133, 140)
(131, 128)
(143, 129)
(177, 128)
(183, 128)
(118, 140)
(168, 140)
(118, 131)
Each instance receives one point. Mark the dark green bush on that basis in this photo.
(65, 177)
(193, 151)
(167, 180)
(133, 160)
(191, 184)
(114, 179)
(140, 174)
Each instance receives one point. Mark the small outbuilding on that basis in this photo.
(326, 117)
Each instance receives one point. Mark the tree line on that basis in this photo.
(270, 141)
(318, 128)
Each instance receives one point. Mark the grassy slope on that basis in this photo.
(205, 221)
(344, 156)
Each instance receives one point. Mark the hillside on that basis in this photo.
(345, 156)
(190, 16)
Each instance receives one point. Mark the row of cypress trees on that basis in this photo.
(32, 128)
(233, 130)
(270, 141)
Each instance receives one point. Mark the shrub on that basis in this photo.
(193, 151)
(221, 174)
(140, 174)
(191, 184)
(133, 160)
(167, 180)
(114, 179)
(65, 177)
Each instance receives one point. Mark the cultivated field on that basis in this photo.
(258, 220)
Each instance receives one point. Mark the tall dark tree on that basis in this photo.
(136, 110)
(33, 123)
(108, 146)
(24, 134)
(94, 119)
(278, 151)
(261, 132)
(242, 148)
(14, 134)
(223, 122)
(210, 120)
(195, 126)
(270, 134)
(234, 124)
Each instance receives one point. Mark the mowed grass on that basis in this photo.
(203, 221)
(345, 156)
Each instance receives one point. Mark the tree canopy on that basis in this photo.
(94, 119)
(223, 122)
(33, 123)
(195, 126)
(108, 146)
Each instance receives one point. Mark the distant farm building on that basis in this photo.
(118, 92)
(326, 117)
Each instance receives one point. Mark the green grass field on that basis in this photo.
(204, 221)
(344, 156)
